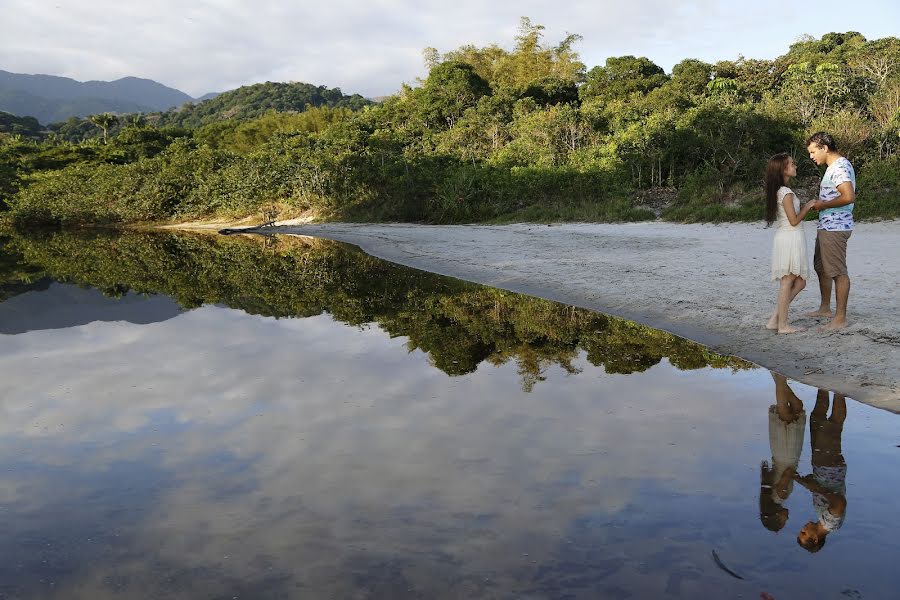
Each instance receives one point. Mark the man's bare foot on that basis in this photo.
(822, 312)
(834, 325)
(790, 329)
(773, 322)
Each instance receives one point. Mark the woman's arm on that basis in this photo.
(794, 217)
(781, 486)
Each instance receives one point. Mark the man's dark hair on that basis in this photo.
(821, 139)
(813, 544)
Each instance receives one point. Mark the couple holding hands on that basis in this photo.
(790, 265)
(827, 482)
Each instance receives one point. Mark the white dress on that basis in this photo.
(786, 443)
(789, 254)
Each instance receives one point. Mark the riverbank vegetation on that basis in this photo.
(491, 134)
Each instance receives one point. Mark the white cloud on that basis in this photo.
(371, 47)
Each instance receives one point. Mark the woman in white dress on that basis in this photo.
(787, 423)
(790, 264)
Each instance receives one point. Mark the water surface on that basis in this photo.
(201, 417)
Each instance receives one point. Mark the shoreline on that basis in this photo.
(707, 283)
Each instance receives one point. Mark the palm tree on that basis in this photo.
(136, 119)
(104, 121)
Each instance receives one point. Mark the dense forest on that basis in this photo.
(245, 103)
(23, 127)
(491, 134)
(457, 324)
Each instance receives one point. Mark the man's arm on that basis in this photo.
(810, 483)
(847, 197)
(835, 501)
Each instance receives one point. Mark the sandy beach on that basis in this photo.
(707, 283)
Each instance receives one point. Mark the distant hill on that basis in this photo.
(50, 99)
(251, 101)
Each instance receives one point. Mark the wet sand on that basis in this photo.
(707, 283)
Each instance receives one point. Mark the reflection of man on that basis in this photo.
(828, 479)
(837, 193)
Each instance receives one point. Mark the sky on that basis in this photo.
(372, 47)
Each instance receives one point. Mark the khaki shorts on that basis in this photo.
(831, 253)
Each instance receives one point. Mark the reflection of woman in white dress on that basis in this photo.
(787, 424)
(790, 265)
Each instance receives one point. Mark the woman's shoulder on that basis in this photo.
(784, 191)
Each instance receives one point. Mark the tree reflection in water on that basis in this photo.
(457, 324)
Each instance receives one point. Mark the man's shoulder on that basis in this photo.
(844, 163)
(839, 171)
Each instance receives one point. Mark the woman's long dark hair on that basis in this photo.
(774, 180)
(772, 515)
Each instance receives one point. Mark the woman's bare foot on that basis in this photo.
(773, 322)
(821, 312)
(790, 329)
(834, 325)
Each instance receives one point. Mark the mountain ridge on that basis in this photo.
(52, 98)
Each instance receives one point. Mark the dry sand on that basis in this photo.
(708, 283)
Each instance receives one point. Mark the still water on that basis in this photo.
(205, 417)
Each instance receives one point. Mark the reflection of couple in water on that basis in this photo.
(827, 482)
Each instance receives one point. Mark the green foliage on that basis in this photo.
(104, 121)
(147, 189)
(830, 48)
(26, 127)
(552, 90)
(622, 76)
(692, 75)
(879, 190)
(490, 135)
(245, 136)
(815, 91)
(25, 163)
(20, 159)
(529, 62)
(75, 130)
(756, 79)
(544, 137)
(450, 89)
(251, 101)
(136, 141)
(67, 196)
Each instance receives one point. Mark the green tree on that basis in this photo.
(530, 60)
(552, 90)
(692, 76)
(816, 91)
(104, 121)
(832, 47)
(755, 78)
(622, 76)
(878, 60)
(450, 89)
